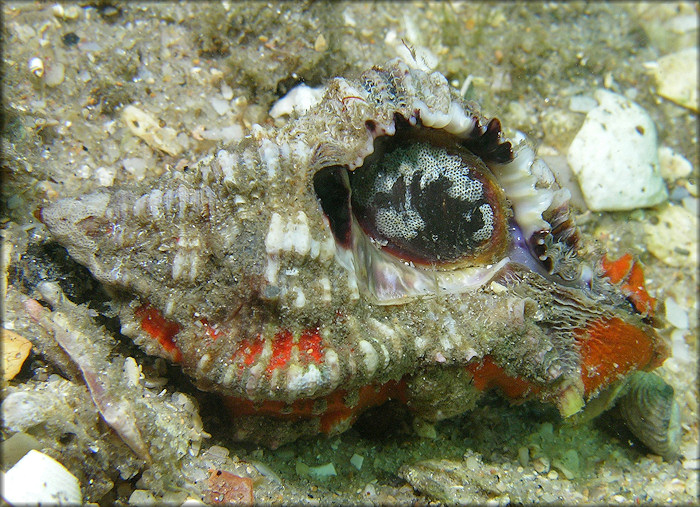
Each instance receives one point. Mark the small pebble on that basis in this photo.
(105, 176)
(523, 456)
(357, 461)
(84, 76)
(424, 429)
(226, 92)
(673, 165)
(678, 194)
(72, 12)
(221, 107)
(58, 11)
(673, 238)
(55, 75)
(70, 39)
(136, 167)
(321, 471)
(321, 44)
(568, 464)
(142, 497)
(15, 350)
(36, 66)
(691, 204)
(680, 351)
(541, 465)
(370, 491)
(675, 314)
(691, 464)
(676, 78)
(472, 463)
(15, 447)
(39, 479)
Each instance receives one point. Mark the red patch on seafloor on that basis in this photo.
(337, 412)
(227, 488)
(610, 348)
(627, 272)
(487, 374)
(163, 330)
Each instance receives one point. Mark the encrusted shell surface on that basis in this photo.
(236, 270)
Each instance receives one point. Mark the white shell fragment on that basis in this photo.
(40, 479)
(55, 74)
(676, 315)
(674, 238)
(677, 78)
(673, 165)
(299, 99)
(144, 126)
(614, 156)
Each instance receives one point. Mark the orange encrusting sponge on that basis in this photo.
(337, 411)
(629, 273)
(610, 348)
(163, 330)
(487, 374)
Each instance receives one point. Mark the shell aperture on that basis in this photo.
(430, 203)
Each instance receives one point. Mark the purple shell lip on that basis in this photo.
(521, 253)
(524, 251)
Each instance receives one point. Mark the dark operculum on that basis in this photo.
(423, 197)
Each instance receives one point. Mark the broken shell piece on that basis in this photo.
(652, 414)
(15, 350)
(676, 78)
(144, 126)
(40, 479)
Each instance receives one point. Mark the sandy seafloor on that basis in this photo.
(201, 68)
